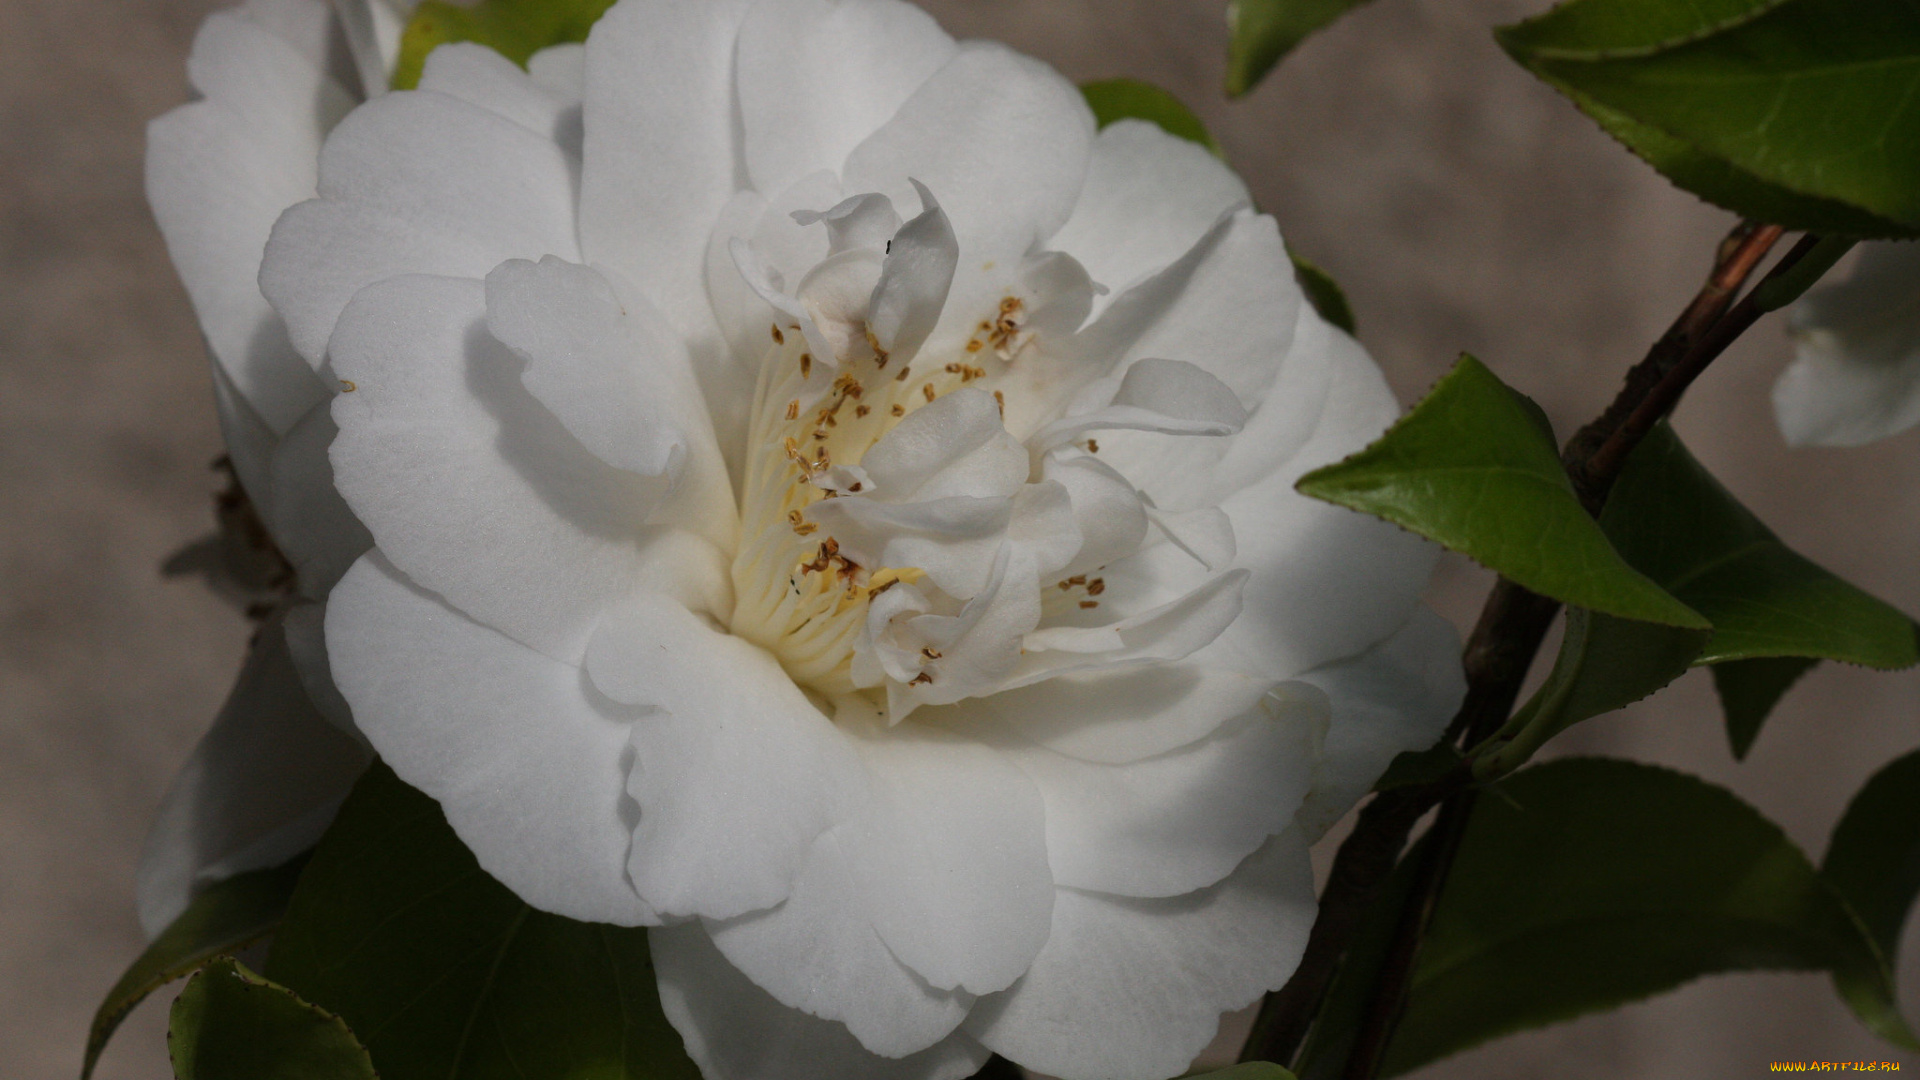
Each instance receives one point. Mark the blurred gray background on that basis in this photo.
(1462, 205)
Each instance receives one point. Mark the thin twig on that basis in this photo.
(1512, 624)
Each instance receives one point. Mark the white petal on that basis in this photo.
(914, 280)
(1327, 583)
(1229, 306)
(477, 74)
(1397, 696)
(529, 768)
(1108, 514)
(818, 76)
(306, 629)
(477, 492)
(1172, 631)
(1205, 533)
(612, 371)
(1855, 376)
(953, 446)
(561, 70)
(249, 441)
(735, 772)
(220, 171)
(951, 853)
(1132, 989)
(818, 952)
(1170, 397)
(417, 182)
(1003, 139)
(735, 1031)
(661, 154)
(976, 650)
(1149, 197)
(862, 221)
(372, 30)
(308, 519)
(259, 789)
(1122, 715)
(1180, 821)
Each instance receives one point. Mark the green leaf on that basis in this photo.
(1412, 767)
(1330, 1040)
(1749, 689)
(1727, 186)
(1675, 522)
(1602, 882)
(1252, 1070)
(1873, 862)
(1131, 99)
(1266, 30)
(226, 917)
(514, 28)
(1474, 467)
(230, 1024)
(1604, 664)
(448, 975)
(1323, 293)
(1809, 97)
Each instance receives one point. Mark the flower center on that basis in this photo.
(797, 594)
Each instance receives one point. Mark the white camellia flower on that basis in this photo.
(1855, 377)
(832, 506)
(273, 77)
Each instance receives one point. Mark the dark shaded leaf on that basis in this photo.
(226, 917)
(1330, 1041)
(1266, 30)
(1604, 664)
(1411, 767)
(230, 1024)
(1749, 689)
(1323, 293)
(1601, 882)
(1775, 109)
(1131, 99)
(446, 974)
(1873, 862)
(1252, 1070)
(514, 28)
(1474, 467)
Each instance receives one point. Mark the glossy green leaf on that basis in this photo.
(514, 28)
(230, 1024)
(446, 974)
(1604, 664)
(1749, 689)
(1727, 186)
(1601, 882)
(1673, 520)
(1263, 31)
(226, 917)
(1807, 96)
(1474, 467)
(1873, 862)
(1131, 99)
(1323, 293)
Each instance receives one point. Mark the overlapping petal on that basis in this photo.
(1039, 674)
